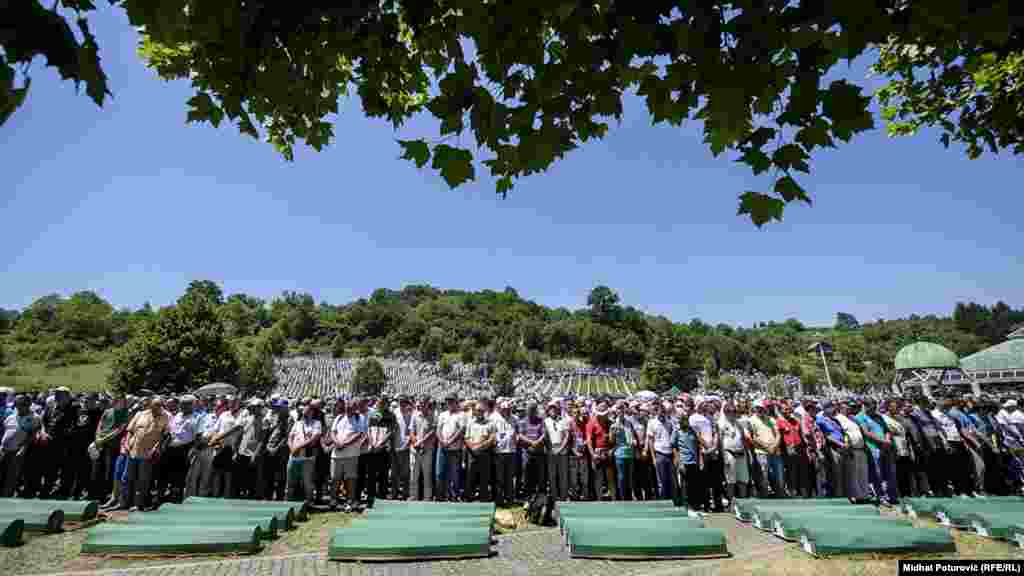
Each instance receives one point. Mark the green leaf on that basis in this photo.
(202, 108)
(760, 207)
(455, 164)
(415, 150)
(815, 135)
(756, 159)
(791, 157)
(790, 190)
(847, 108)
(504, 186)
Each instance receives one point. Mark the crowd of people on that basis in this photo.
(133, 453)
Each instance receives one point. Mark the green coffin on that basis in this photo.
(284, 515)
(580, 525)
(877, 537)
(142, 539)
(762, 515)
(624, 514)
(267, 524)
(367, 543)
(744, 508)
(36, 521)
(1016, 534)
(81, 511)
(994, 524)
(300, 512)
(790, 526)
(787, 523)
(648, 543)
(923, 507)
(483, 507)
(956, 512)
(11, 531)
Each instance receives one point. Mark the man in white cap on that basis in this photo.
(174, 462)
(248, 472)
(504, 453)
(558, 429)
(144, 432)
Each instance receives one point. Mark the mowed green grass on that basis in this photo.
(25, 377)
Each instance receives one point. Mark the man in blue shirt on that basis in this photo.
(835, 448)
(881, 473)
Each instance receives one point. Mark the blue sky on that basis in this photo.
(129, 201)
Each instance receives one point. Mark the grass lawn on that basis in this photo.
(38, 377)
(60, 552)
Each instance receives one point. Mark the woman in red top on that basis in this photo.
(599, 444)
(793, 457)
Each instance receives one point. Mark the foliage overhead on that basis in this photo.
(533, 81)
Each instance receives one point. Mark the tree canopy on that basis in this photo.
(531, 82)
(197, 339)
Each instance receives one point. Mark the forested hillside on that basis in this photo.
(207, 336)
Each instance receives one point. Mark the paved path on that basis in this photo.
(528, 553)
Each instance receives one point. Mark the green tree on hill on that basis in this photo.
(502, 381)
(183, 349)
(369, 378)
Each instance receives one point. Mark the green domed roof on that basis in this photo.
(925, 355)
(1008, 355)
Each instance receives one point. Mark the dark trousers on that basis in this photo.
(102, 475)
(173, 469)
(478, 477)
(696, 495)
(140, 479)
(249, 476)
(714, 478)
(906, 477)
(960, 466)
(645, 484)
(504, 465)
(536, 473)
(373, 472)
(56, 469)
(275, 468)
(798, 477)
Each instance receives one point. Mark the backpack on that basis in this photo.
(541, 510)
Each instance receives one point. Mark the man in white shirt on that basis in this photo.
(345, 455)
(400, 458)
(558, 429)
(302, 442)
(504, 453)
(19, 427)
(480, 440)
(227, 434)
(659, 443)
(450, 432)
(174, 463)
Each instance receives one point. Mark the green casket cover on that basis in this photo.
(367, 543)
(11, 531)
(141, 539)
(653, 543)
(52, 521)
(994, 524)
(791, 526)
(761, 515)
(744, 507)
(80, 511)
(285, 515)
(956, 511)
(300, 510)
(878, 537)
(267, 524)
